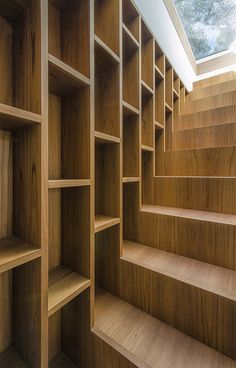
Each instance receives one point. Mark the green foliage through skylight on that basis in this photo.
(210, 25)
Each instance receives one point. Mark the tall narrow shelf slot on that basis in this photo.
(147, 122)
(130, 17)
(131, 77)
(19, 347)
(131, 145)
(107, 91)
(20, 55)
(107, 184)
(147, 51)
(68, 33)
(168, 85)
(107, 23)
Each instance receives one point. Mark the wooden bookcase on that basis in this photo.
(87, 101)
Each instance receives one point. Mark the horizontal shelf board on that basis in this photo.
(158, 74)
(64, 285)
(147, 148)
(10, 358)
(176, 94)
(68, 183)
(159, 126)
(15, 252)
(103, 54)
(219, 218)
(146, 90)
(63, 79)
(61, 361)
(168, 107)
(130, 43)
(102, 138)
(149, 342)
(103, 222)
(129, 109)
(133, 179)
(12, 118)
(203, 275)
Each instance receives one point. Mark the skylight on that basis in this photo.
(210, 25)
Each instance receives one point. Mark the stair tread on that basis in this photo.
(216, 217)
(150, 341)
(214, 90)
(215, 279)
(208, 103)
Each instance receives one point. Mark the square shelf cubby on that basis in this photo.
(20, 317)
(107, 259)
(20, 45)
(69, 33)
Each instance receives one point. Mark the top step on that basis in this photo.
(214, 80)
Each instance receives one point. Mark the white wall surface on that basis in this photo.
(157, 18)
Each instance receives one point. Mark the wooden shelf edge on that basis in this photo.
(147, 148)
(159, 73)
(105, 138)
(168, 107)
(62, 77)
(176, 93)
(129, 109)
(148, 90)
(14, 252)
(11, 358)
(129, 34)
(159, 126)
(68, 183)
(64, 286)
(103, 222)
(106, 49)
(130, 179)
(12, 118)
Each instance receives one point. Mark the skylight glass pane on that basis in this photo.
(210, 25)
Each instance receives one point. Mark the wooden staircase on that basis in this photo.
(175, 283)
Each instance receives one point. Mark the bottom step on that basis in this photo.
(148, 342)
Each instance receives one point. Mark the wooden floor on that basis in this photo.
(153, 343)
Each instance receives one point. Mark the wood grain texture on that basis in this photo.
(156, 344)
(211, 194)
(64, 285)
(107, 18)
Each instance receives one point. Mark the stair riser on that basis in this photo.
(201, 240)
(204, 162)
(205, 104)
(210, 137)
(205, 316)
(217, 89)
(211, 81)
(203, 194)
(223, 115)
